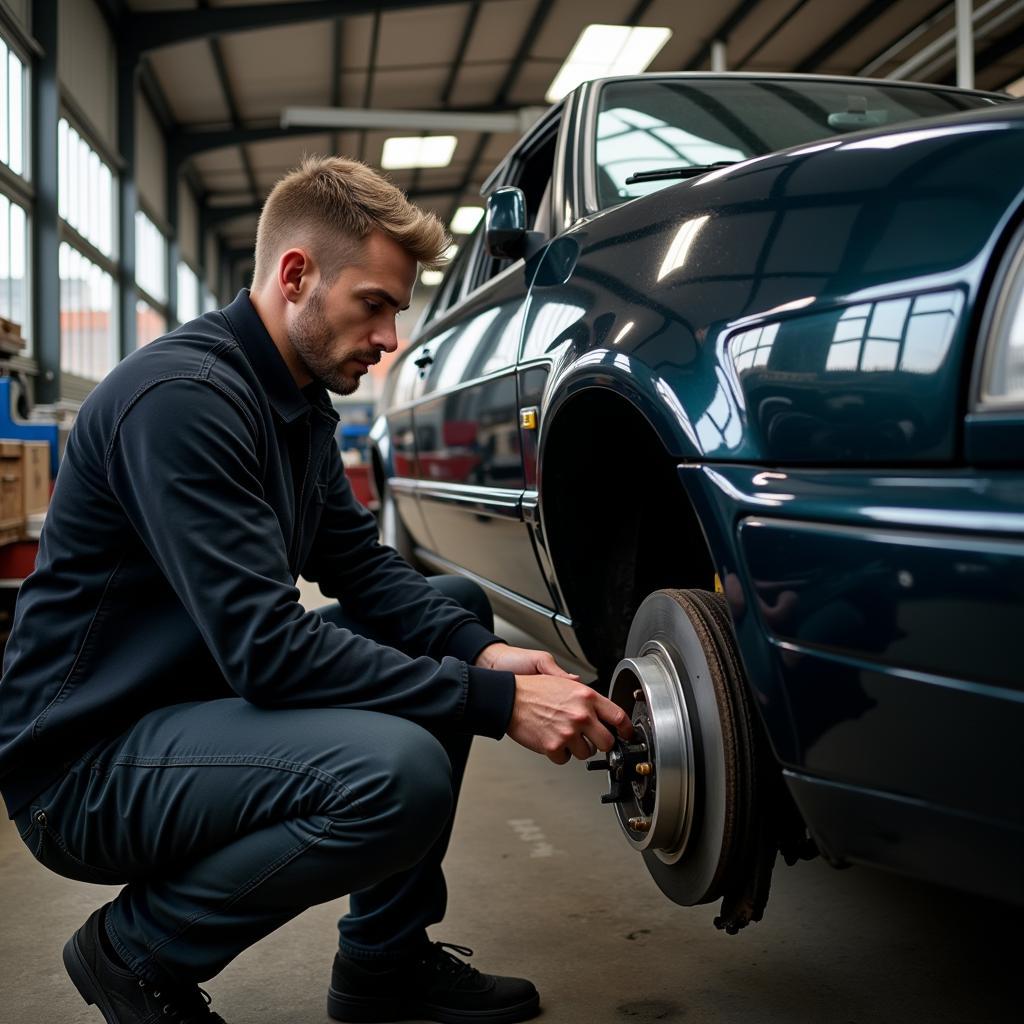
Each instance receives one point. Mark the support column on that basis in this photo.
(128, 198)
(965, 44)
(718, 55)
(45, 226)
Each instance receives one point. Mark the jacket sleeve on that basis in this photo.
(184, 465)
(349, 563)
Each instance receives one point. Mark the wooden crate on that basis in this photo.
(12, 495)
(35, 475)
(10, 336)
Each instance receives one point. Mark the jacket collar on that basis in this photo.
(285, 397)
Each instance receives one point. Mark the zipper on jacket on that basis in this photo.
(300, 512)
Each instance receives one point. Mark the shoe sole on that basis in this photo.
(370, 1010)
(85, 981)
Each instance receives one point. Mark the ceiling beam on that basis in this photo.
(540, 15)
(335, 98)
(185, 143)
(925, 25)
(771, 33)
(327, 118)
(842, 35)
(638, 12)
(370, 72)
(156, 97)
(533, 29)
(216, 215)
(149, 30)
(460, 52)
(993, 54)
(229, 100)
(724, 30)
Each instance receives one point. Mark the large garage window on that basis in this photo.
(13, 109)
(86, 203)
(15, 191)
(88, 336)
(188, 293)
(150, 280)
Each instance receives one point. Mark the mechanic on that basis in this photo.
(172, 720)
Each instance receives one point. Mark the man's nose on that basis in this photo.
(385, 338)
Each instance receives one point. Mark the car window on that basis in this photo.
(648, 125)
(451, 287)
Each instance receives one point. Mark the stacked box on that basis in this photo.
(24, 485)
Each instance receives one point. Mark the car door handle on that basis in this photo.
(424, 360)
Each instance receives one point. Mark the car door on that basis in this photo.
(466, 424)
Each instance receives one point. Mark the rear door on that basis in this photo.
(466, 420)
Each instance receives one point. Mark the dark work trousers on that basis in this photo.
(226, 820)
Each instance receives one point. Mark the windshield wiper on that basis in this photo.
(689, 171)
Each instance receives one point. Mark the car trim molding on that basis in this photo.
(494, 501)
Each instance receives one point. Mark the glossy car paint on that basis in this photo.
(881, 608)
(799, 331)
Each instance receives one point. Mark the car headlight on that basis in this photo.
(1002, 376)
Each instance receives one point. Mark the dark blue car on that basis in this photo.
(726, 398)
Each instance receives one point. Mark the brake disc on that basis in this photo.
(680, 786)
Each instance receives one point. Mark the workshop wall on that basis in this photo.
(188, 228)
(87, 65)
(150, 159)
(211, 263)
(20, 9)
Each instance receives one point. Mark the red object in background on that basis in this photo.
(359, 477)
(17, 560)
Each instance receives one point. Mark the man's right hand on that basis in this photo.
(557, 717)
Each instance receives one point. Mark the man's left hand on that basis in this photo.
(521, 662)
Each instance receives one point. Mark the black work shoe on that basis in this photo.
(121, 995)
(436, 985)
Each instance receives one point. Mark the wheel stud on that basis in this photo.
(638, 695)
(640, 824)
(643, 768)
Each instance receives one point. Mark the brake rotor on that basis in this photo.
(682, 788)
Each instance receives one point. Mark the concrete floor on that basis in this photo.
(543, 885)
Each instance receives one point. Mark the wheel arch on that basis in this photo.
(626, 525)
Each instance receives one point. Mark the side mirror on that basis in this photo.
(505, 230)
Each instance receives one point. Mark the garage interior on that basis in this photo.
(138, 140)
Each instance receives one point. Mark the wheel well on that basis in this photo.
(624, 525)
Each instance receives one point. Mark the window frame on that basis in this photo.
(18, 189)
(99, 156)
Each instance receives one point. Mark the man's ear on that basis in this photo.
(295, 274)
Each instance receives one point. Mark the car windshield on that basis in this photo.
(651, 124)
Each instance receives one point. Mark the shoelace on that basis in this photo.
(174, 1013)
(444, 959)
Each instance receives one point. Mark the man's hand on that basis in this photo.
(561, 718)
(521, 661)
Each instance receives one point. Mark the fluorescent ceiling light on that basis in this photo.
(466, 219)
(451, 252)
(431, 278)
(418, 151)
(603, 50)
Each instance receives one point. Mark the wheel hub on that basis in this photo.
(651, 777)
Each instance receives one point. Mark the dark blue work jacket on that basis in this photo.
(198, 482)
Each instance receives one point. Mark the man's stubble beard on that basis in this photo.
(310, 337)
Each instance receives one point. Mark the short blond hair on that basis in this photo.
(331, 203)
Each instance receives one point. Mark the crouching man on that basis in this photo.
(172, 720)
